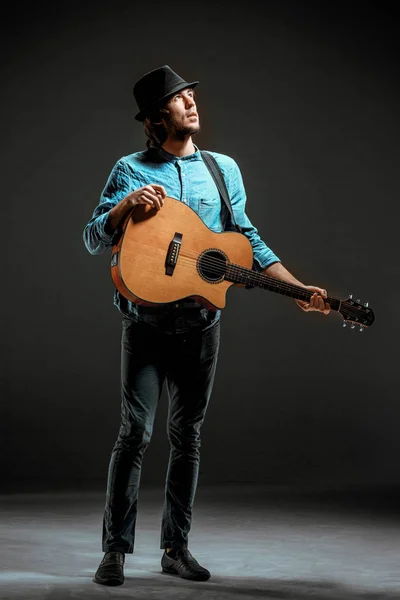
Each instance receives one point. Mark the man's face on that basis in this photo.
(182, 118)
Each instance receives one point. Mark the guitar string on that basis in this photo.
(214, 266)
(345, 312)
(256, 275)
(260, 277)
(219, 272)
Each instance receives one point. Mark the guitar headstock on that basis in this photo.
(356, 314)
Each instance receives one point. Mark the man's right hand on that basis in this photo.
(152, 195)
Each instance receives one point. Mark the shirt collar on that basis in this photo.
(167, 156)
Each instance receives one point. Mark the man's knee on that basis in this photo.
(185, 438)
(133, 436)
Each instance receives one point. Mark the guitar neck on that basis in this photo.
(238, 274)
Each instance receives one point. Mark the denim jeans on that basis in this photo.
(186, 362)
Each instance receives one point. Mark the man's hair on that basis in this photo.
(156, 132)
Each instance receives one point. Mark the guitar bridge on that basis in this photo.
(173, 254)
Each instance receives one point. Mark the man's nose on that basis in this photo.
(190, 101)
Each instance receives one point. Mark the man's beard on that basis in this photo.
(181, 132)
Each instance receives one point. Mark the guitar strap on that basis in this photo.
(219, 180)
(216, 174)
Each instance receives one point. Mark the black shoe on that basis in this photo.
(184, 565)
(111, 569)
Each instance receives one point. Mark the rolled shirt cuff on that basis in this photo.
(102, 223)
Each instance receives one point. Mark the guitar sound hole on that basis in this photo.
(211, 265)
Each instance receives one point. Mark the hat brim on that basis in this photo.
(180, 86)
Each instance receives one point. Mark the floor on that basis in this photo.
(257, 542)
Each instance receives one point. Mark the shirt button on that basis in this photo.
(176, 305)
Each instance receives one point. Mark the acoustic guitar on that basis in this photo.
(166, 255)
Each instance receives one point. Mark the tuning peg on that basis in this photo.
(351, 296)
(345, 324)
(361, 327)
(353, 326)
(366, 304)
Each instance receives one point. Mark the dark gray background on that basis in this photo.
(306, 100)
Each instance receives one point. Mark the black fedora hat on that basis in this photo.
(156, 86)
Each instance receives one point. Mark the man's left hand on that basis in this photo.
(317, 301)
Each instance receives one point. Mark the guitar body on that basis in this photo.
(149, 267)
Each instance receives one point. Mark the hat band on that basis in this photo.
(176, 88)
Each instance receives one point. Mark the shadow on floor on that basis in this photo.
(165, 587)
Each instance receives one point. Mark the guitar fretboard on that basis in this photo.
(238, 274)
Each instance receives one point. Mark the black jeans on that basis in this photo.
(187, 361)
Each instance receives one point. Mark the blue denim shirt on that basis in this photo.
(187, 179)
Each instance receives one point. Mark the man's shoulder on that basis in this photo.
(224, 161)
(136, 158)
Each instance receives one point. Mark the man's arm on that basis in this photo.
(97, 234)
(116, 201)
(278, 271)
(267, 260)
(263, 255)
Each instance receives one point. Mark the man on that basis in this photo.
(176, 342)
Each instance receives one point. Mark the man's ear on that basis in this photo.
(160, 116)
(157, 116)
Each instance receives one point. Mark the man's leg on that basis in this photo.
(142, 376)
(190, 378)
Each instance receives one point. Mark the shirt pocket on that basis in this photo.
(209, 210)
